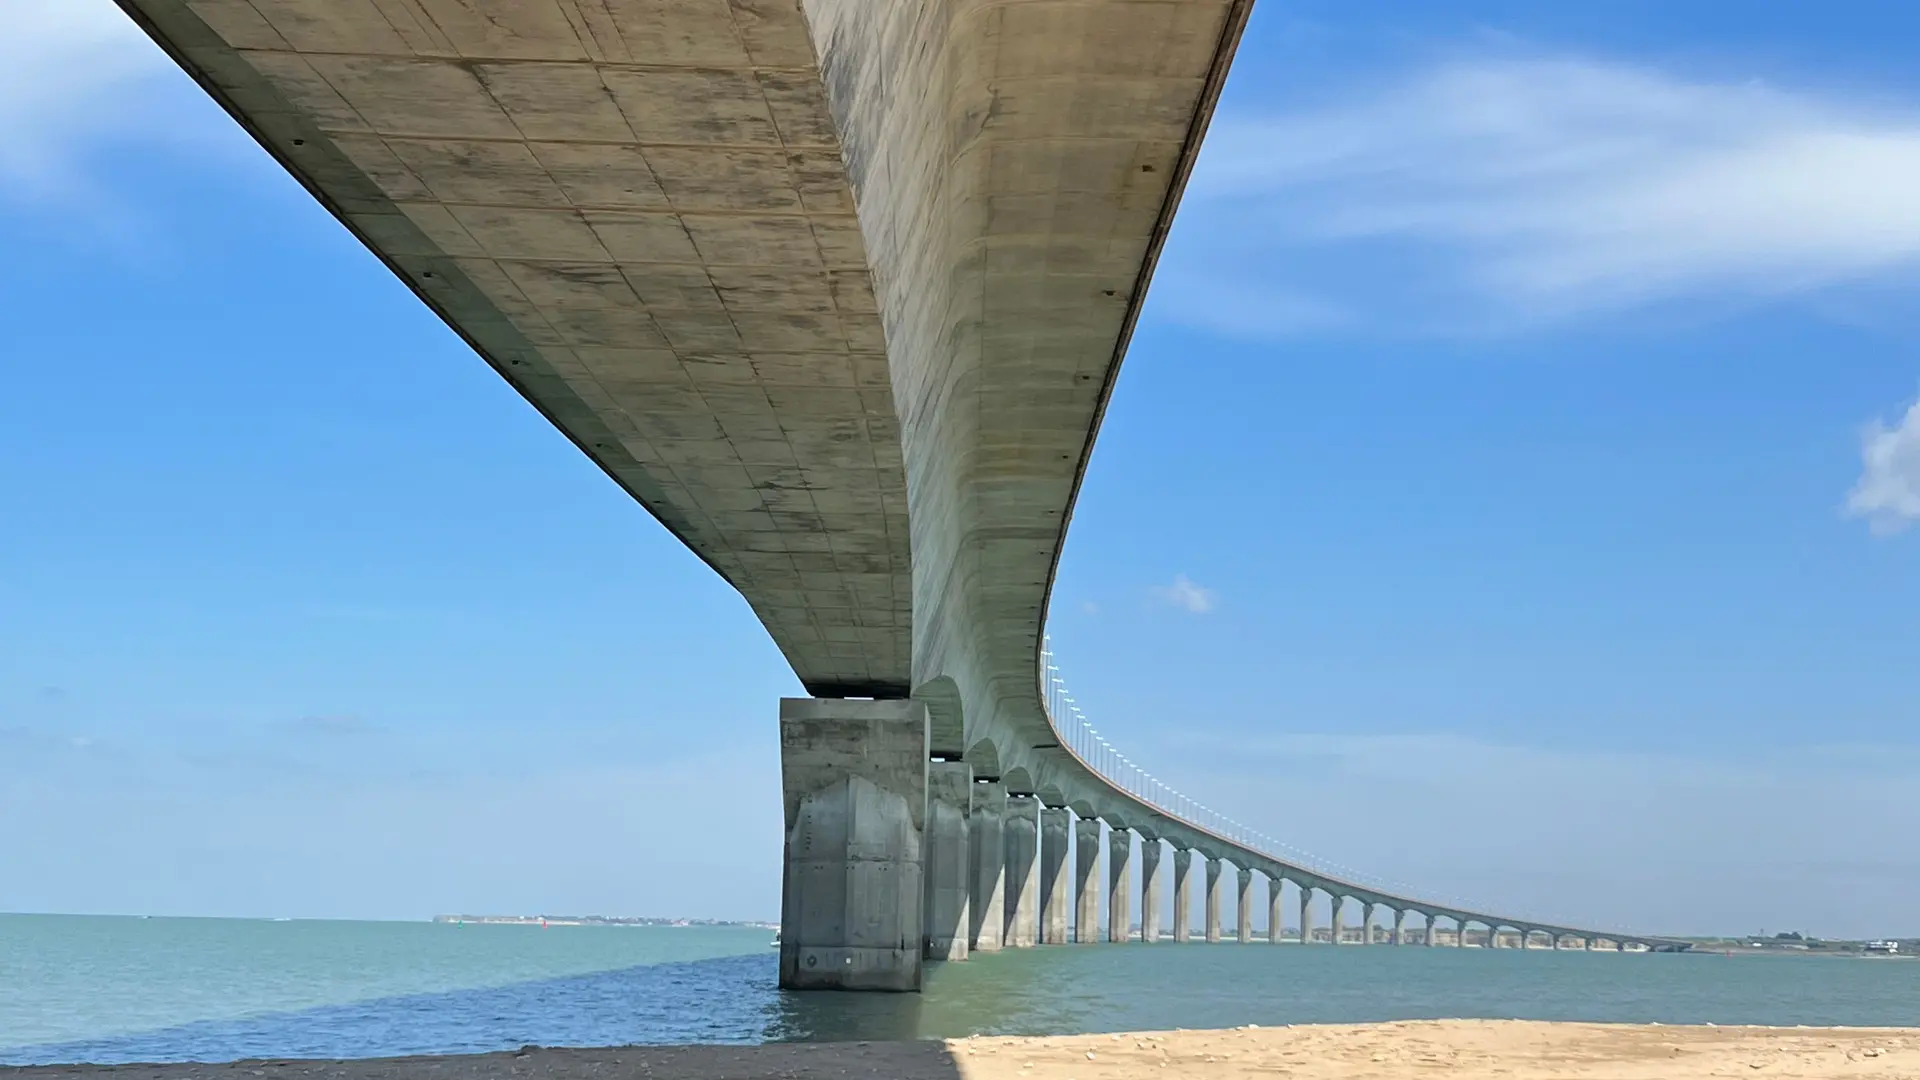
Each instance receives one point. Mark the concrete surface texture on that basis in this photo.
(949, 860)
(1153, 886)
(1119, 886)
(1056, 902)
(1086, 859)
(854, 779)
(836, 289)
(1023, 873)
(987, 900)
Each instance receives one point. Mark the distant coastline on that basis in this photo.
(595, 920)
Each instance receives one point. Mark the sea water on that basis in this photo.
(100, 989)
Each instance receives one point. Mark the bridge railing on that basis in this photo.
(1078, 735)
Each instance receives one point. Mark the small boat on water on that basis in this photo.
(776, 939)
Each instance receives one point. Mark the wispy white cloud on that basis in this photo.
(331, 725)
(1184, 594)
(1505, 194)
(1888, 493)
(72, 73)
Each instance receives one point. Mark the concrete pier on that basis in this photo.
(1056, 827)
(1119, 886)
(1431, 938)
(987, 841)
(854, 788)
(1086, 857)
(1152, 888)
(944, 922)
(1335, 922)
(1276, 919)
(1022, 888)
(1243, 909)
(1459, 933)
(1366, 922)
(1182, 895)
(1306, 914)
(1213, 900)
(1400, 926)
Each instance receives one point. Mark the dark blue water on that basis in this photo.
(731, 999)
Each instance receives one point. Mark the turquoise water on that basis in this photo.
(116, 989)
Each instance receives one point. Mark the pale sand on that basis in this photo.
(1506, 1049)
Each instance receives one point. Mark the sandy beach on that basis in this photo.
(1506, 1049)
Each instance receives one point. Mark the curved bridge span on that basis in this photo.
(837, 290)
(1134, 801)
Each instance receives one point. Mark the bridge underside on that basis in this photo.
(836, 289)
(637, 212)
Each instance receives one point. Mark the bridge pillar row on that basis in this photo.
(987, 840)
(1213, 901)
(1182, 895)
(1337, 901)
(1086, 857)
(853, 777)
(1056, 827)
(1023, 877)
(1276, 918)
(1306, 914)
(1151, 888)
(1119, 885)
(1399, 926)
(1243, 908)
(945, 923)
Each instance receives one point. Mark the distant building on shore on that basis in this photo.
(590, 920)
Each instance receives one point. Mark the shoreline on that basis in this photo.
(1397, 1050)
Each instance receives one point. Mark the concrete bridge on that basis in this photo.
(837, 290)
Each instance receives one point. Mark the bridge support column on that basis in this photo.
(1182, 895)
(1023, 878)
(1243, 908)
(1119, 885)
(1430, 938)
(1056, 825)
(1366, 922)
(949, 806)
(1213, 901)
(1338, 928)
(1587, 944)
(1276, 918)
(1399, 926)
(1459, 932)
(987, 899)
(1086, 857)
(854, 788)
(1306, 914)
(1151, 888)
(1493, 936)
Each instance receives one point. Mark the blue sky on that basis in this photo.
(1509, 491)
